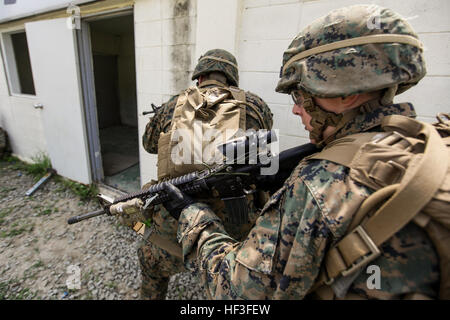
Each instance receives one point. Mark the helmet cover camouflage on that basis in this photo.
(218, 60)
(354, 68)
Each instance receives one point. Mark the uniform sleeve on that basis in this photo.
(260, 112)
(158, 123)
(280, 258)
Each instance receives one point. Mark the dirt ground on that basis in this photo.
(39, 251)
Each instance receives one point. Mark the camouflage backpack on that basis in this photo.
(408, 166)
(203, 117)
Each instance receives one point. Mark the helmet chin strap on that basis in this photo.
(345, 118)
(321, 119)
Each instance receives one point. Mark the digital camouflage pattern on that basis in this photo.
(355, 69)
(162, 120)
(218, 60)
(157, 265)
(282, 255)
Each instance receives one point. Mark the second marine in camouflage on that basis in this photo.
(157, 265)
(207, 64)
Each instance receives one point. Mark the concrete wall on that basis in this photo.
(170, 35)
(268, 27)
(258, 32)
(165, 33)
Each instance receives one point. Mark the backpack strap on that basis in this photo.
(343, 150)
(238, 94)
(211, 82)
(421, 180)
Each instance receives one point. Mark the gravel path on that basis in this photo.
(38, 249)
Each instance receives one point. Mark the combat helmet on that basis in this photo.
(218, 60)
(352, 50)
(355, 49)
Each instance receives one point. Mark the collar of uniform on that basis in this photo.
(211, 83)
(372, 114)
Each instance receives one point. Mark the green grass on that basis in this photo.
(85, 192)
(12, 232)
(86, 275)
(180, 292)
(31, 272)
(38, 168)
(38, 264)
(7, 189)
(21, 294)
(5, 212)
(148, 222)
(112, 285)
(47, 212)
(88, 296)
(16, 230)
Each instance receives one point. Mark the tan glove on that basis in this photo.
(128, 212)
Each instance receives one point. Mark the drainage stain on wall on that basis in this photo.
(181, 8)
(180, 52)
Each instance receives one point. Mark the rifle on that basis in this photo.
(232, 180)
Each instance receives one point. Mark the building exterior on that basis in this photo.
(95, 65)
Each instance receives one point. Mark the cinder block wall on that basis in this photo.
(165, 33)
(258, 32)
(268, 27)
(170, 35)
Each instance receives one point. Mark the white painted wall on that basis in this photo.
(217, 25)
(258, 32)
(165, 32)
(170, 36)
(268, 27)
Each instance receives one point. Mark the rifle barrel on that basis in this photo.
(193, 183)
(76, 219)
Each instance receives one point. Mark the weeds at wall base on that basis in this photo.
(37, 169)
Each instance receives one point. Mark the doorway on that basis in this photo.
(113, 136)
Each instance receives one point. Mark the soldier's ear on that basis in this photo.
(350, 101)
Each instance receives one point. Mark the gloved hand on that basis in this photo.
(128, 212)
(177, 200)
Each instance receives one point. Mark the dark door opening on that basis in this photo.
(112, 43)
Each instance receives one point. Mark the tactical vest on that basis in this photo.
(203, 118)
(408, 166)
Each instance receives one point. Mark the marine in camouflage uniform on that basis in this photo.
(161, 121)
(284, 252)
(157, 265)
